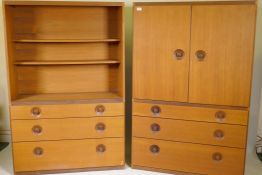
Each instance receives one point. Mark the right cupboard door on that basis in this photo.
(221, 54)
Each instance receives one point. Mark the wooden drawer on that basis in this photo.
(191, 113)
(68, 110)
(187, 157)
(68, 154)
(190, 131)
(68, 128)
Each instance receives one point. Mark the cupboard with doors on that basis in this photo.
(66, 81)
(192, 72)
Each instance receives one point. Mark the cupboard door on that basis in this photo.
(161, 52)
(222, 43)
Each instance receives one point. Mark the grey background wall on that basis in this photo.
(255, 97)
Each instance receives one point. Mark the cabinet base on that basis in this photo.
(162, 170)
(70, 170)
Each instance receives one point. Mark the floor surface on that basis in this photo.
(253, 167)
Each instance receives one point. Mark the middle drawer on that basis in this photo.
(190, 131)
(68, 128)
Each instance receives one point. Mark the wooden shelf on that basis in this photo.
(67, 98)
(65, 40)
(88, 62)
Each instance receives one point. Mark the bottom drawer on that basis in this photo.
(187, 157)
(73, 154)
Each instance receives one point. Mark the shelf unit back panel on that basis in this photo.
(66, 22)
(66, 79)
(65, 51)
(60, 49)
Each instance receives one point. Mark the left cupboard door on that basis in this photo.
(161, 52)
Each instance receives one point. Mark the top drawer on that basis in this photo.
(67, 110)
(191, 113)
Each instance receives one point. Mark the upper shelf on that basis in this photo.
(64, 3)
(87, 62)
(65, 40)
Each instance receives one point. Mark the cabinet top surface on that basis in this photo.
(150, 2)
(64, 2)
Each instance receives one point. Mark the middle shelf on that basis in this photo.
(66, 40)
(80, 62)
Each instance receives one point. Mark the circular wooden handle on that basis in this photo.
(38, 151)
(217, 156)
(179, 54)
(200, 54)
(100, 127)
(37, 129)
(35, 111)
(154, 149)
(155, 127)
(156, 110)
(100, 109)
(100, 148)
(220, 115)
(219, 134)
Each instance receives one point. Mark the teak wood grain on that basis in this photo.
(66, 73)
(68, 128)
(68, 98)
(190, 131)
(62, 3)
(66, 111)
(158, 32)
(65, 22)
(226, 34)
(187, 157)
(66, 79)
(65, 51)
(232, 116)
(68, 154)
(85, 32)
(203, 128)
(46, 63)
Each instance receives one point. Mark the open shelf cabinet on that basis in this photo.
(65, 49)
(66, 83)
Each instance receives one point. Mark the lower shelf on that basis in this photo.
(68, 154)
(64, 98)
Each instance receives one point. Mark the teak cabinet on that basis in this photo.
(192, 71)
(66, 74)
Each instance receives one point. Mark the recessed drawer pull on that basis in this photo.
(100, 109)
(35, 111)
(155, 127)
(200, 54)
(100, 148)
(219, 134)
(154, 149)
(37, 129)
(220, 115)
(100, 127)
(38, 151)
(155, 110)
(217, 157)
(179, 54)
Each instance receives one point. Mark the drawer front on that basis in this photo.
(187, 157)
(191, 113)
(68, 128)
(62, 155)
(68, 110)
(190, 131)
